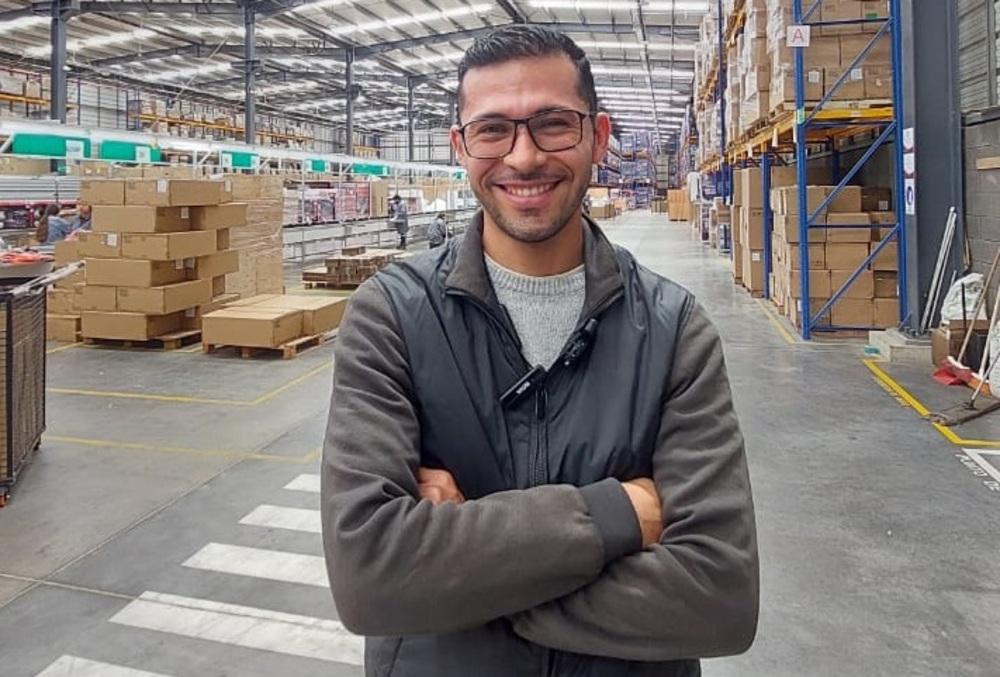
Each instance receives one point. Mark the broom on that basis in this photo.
(952, 370)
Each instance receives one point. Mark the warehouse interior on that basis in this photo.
(191, 192)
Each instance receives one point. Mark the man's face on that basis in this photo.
(530, 194)
(85, 211)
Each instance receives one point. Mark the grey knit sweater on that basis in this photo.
(544, 310)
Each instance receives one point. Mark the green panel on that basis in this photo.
(318, 165)
(46, 144)
(240, 160)
(370, 169)
(459, 174)
(125, 150)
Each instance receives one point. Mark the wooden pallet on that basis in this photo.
(171, 341)
(287, 351)
(782, 108)
(331, 285)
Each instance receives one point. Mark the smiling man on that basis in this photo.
(532, 465)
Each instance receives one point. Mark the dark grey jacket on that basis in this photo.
(541, 571)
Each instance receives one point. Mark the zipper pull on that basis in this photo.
(541, 403)
(580, 343)
(524, 387)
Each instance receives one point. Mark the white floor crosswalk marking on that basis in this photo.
(74, 666)
(308, 483)
(280, 517)
(275, 565)
(244, 626)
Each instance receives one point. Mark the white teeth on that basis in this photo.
(531, 191)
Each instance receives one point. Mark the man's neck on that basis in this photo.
(561, 253)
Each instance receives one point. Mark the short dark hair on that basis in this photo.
(521, 41)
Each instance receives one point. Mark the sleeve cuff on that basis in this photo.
(614, 517)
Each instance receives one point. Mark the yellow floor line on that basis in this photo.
(923, 411)
(186, 399)
(776, 322)
(213, 453)
(60, 349)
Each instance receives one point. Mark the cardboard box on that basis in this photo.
(222, 239)
(72, 281)
(792, 256)
(102, 192)
(166, 299)
(62, 302)
(98, 298)
(941, 345)
(218, 286)
(888, 259)
(852, 45)
(173, 192)
(320, 314)
(65, 328)
(862, 288)
(752, 228)
(193, 316)
(130, 326)
(753, 270)
(251, 327)
(847, 201)
(738, 261)
(857, 234)
(878, 82)
(132, 219)
(128, 273)
(840, 10)
(815, 195)
(886, 285)
(222, 216)
(751, 188)
(877, 200)
(169, 246)
(787, 225)
(845, 255)
(20, 166)
(848, 312)
(853, 87)
(215, 265)
(66, 252)
(819, 284)
(100, 245)
(795, 311)
(886, 313)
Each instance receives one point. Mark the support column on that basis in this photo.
(349, 110)
(410, 154)
(57, 76)
(250, 72)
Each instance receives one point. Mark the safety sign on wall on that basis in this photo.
(910, 170)
(798, 36)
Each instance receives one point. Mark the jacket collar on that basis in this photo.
(601, 270)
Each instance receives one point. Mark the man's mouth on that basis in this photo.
(527, 190)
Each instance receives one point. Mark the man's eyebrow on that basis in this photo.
(502, 116)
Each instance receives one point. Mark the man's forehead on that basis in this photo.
(521, 87)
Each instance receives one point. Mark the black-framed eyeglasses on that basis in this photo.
(551, 131)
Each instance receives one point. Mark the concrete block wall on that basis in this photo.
(982, 192)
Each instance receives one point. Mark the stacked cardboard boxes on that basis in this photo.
(351, 267)
(62, 319)
(678, 205)
(157, 257)
(259, 243)
(835, 254)
(272, 320)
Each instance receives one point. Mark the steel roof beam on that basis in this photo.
(202, 9)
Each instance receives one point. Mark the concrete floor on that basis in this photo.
(168, 524)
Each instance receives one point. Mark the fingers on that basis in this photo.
(432, 476)
(437, 495)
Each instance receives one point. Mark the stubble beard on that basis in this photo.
(527, 229)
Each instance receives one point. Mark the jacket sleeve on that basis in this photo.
(399, 565)
(695, 593)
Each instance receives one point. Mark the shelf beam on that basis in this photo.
(250, 72)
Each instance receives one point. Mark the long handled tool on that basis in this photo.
(953, 370)
(973, 409)
(934, 293)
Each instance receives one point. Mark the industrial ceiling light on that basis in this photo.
(182, 73)
(97, 41)
(322, 4)
(677, 6)
(23, 22)
(609, 5)
(625, 70)
(410, 19)
(655, 46)
(447, 56)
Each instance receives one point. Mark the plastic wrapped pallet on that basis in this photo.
(260, 242)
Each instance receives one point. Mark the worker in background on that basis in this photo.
(52, 227)
(533, 465)
(399, 219)
(437, 232)
(82, 220)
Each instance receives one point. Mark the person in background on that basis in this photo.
(82, 220)
(52, 228)
(399, 219)
(437, 234)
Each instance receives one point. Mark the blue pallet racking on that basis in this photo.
(826, 124)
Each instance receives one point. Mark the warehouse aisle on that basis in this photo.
(176, 533)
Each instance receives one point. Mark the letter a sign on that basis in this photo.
(798, 36)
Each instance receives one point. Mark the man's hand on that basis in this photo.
(438, 486)
(646, 503)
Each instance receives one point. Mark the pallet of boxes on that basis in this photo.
(156, 259)
(62, 309)
(857, 220)
(351, 267)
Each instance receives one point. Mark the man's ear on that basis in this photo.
(602, 132)
(458, 145)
